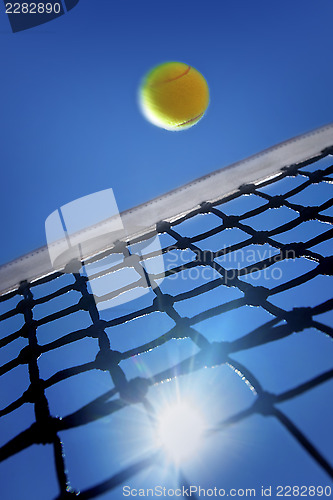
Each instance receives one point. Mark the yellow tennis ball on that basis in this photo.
(174, 96)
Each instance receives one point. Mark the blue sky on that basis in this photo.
(71, 126)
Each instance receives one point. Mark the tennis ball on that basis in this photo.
(174, 96)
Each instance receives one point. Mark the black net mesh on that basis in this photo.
(266, 247)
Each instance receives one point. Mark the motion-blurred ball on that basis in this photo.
(174, 96)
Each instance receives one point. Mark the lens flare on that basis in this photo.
(180, 429)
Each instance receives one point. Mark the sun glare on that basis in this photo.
(180, 429)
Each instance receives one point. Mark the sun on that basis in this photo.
(180, 430)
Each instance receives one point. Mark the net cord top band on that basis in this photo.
(180, 201)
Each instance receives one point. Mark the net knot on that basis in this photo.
(276, 201)
(28, 353)
(317, 176)
(184, 243)
(328, 151)
(45, 431)
(135, 390)
(25, 305)
(95, 330)
(163, 226)
(133, 260)
(85, 302)
(24, 287)
(256, 295)
(292, 250)
(205, 207)
(299, 318)
(205, 257)
(230, 221)
(73, 266)
(230, 277)
(217, 353)
(247, 188)
(80, 282)
(181, 330)
(106, 360)
(119, 247)
(308, 213)
(326, 266)
(34, 392)
(163, 303)
(264, 404)
(291, 170)
(260, 238)
(28, 328)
